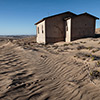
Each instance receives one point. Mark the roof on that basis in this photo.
(88, 15)
(54, 16)
(67, 17)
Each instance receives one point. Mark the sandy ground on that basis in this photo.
(60, 71)
(98, 30)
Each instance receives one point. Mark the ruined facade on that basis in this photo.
(65, 27)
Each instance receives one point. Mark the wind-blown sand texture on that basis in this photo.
(60, 71)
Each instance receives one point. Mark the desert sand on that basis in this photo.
(98, 30)
(60, 71)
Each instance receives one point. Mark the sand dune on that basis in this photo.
(98, 30)
(60, 71)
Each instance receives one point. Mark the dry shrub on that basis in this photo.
(81, 47)
(95, 74)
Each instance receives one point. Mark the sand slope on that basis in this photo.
(31, 71)
(98, 30)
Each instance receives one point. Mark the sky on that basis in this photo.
(17, 17)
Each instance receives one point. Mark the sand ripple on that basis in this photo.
(41, 75)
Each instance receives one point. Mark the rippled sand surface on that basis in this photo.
(60, 71)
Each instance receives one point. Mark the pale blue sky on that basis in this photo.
(17, 17)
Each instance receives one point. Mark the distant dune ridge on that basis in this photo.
(98, 30)
(60, 71)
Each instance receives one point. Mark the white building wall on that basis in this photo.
(41, 36)
(68, 30)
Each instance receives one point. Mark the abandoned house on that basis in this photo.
(65, 27)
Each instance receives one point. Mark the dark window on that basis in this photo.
(66, 27)
(38, 30)
(42, 28)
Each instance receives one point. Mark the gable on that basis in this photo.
(88, 15)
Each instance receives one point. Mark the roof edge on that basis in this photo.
(54, 16)
(65, 13)
(39, 21)
(89, 15)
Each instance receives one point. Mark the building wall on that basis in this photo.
(40, 30)
(55, 28)
(82, 26)
(68, 30)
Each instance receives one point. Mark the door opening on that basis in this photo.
(68, 30)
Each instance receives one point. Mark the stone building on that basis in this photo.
(65, 27)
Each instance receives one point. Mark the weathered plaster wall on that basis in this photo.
(55, 28)
(83, 26)
(41, 36)
(68, 30)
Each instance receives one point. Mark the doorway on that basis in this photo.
(68, 30)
